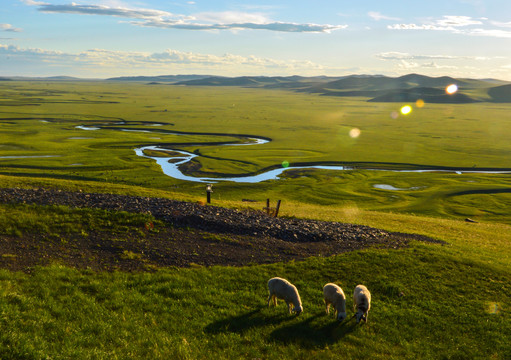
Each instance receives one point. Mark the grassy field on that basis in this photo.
(39, 119)
(429, 301)
(456, 296)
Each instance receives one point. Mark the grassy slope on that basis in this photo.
(456, 302)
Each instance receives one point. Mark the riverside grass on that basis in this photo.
(40, 118)
(456, 296)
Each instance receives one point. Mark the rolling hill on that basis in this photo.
(377, 88)
(500, 93)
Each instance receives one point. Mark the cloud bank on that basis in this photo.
(211, 21)
(462, 25)
(112, 63)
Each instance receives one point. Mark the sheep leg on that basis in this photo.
(270, 298)
(327, 308)
(289, 307)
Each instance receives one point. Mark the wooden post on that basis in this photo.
(209, 190)
(277, 209)
(268, 206)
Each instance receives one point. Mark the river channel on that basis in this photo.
(170, 165)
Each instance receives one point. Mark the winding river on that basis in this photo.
(170, 165)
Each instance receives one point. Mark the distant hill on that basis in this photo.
(160, 78)
(501, 94)
(61, 78)
(288, 82)
(379, 88)
(429, 95)
(375, 88)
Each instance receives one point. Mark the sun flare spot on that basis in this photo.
(355, 133)
(419, 103)
(451, 89)
(285, 164)
(405, 110)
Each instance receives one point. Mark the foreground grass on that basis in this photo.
(451, 308)
(429, 301)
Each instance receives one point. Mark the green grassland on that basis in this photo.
(456, 296)
(40, 119)
(429, 301)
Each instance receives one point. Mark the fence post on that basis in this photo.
(209, 190)
(277, 209)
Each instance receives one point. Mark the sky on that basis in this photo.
(109, 38)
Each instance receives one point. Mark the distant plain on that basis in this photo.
(40, 119)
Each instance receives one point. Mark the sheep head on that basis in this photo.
(341, 316)
(360, 316)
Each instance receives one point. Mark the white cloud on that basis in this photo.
(228, 17)
(394, 55)
(490, 32)
(462, 25)
(457, 21)
(377, 16)
(104, 10)
(434, 65)
(9, 27)
(406, 65)
(417, 27)
(227, 20)
(273, 26)
(502, 24)
(168, 61)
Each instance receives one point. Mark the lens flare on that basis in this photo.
(419, 103)
(405, 110)
(451, 89)
(394, 115)
(354, 133)
(285, 164)
(493, 308)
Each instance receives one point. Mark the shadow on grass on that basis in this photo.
(313, 332)
(244, 322)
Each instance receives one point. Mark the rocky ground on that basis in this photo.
(191, 234)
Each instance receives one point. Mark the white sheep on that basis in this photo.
(333, 295)
(361, 303)
(283, 289)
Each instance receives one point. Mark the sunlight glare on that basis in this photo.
(285, 164)
(354, 133)
(451, 89)
(405, 110)
(419, 103)
(394, 115)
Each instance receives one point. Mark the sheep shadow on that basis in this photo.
(313, 332)
(244, 322)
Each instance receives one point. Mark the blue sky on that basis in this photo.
(105, 38)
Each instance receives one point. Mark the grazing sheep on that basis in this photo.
(283, 289)
(334, 295)
(361, 303)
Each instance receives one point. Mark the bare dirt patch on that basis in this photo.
(190, 234)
